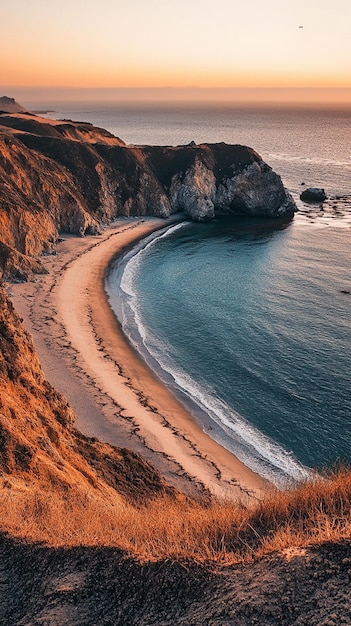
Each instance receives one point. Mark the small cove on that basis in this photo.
(260, 303)
(239, 317)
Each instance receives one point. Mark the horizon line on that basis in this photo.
(179, 88)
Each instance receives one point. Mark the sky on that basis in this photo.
(176, 44)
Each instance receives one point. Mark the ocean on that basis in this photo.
(248, 320)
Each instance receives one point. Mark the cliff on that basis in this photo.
(63, 176)
(9, 105)
(39, 446)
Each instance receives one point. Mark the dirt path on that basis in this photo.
(90, 587)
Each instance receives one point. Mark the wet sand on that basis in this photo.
(116, 397)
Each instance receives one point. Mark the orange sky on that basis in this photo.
(191, 43)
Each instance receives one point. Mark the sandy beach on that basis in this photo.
(115, 395)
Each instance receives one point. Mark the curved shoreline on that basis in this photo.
(114, 393)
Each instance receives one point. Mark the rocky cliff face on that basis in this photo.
(62, 176)
(234, 180)
(39, 445)
(9, 105)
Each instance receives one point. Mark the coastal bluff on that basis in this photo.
(90, 532)
(9, 105)
(71, 177)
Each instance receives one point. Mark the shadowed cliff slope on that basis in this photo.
(90, 586)
(63, 176)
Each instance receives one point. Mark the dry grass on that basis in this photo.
(167, 528)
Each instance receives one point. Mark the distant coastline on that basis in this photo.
(34, 97)
(43, 111)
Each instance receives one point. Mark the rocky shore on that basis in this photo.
(71, 177)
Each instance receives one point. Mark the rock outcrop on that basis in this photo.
(9, 105)
(63, 176)
(39, 446)
(313, 194)
(193, 192)
(209, 180)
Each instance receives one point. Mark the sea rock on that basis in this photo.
(313, 194)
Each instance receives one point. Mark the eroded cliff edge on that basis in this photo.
(39, 445)
(63, 176)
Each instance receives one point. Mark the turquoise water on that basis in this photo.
(246, 320)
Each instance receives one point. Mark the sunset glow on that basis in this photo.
(114, 44)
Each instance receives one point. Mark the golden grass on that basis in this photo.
(167, 528)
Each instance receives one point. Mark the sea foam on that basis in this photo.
(217, 418)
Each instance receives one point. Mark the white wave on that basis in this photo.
(251, 446)
(288, 158)
(133, 258)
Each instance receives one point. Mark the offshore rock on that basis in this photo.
(71, 177)
(313, 194)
